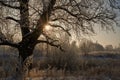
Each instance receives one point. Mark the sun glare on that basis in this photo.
(47, 27)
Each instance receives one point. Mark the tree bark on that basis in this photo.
(24, 63)
(24, 17)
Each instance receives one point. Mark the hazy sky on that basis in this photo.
(106, 38)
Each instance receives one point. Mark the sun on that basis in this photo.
(47, 27)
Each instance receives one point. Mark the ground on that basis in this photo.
(101, 66)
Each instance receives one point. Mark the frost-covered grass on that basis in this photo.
(90, 67)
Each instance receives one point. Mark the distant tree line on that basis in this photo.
(87, 46)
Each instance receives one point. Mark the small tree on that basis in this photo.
(109, 47)
(85, 46)
(97, 47)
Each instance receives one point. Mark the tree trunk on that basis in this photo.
(24, 17)
(25, 62)
(26, 46)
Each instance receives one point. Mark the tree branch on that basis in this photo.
(48, 38)
(4, 41)
(7, 5)
(77, 16)
(114, 4)
(15, 45)
(59, 7)
(36, 10)
(58, 26)
(51, 44)
(11, 18)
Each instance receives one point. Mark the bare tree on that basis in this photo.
(74, 17)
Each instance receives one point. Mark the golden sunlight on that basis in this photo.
(47, 27)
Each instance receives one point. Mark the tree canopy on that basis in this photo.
(70, 16)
